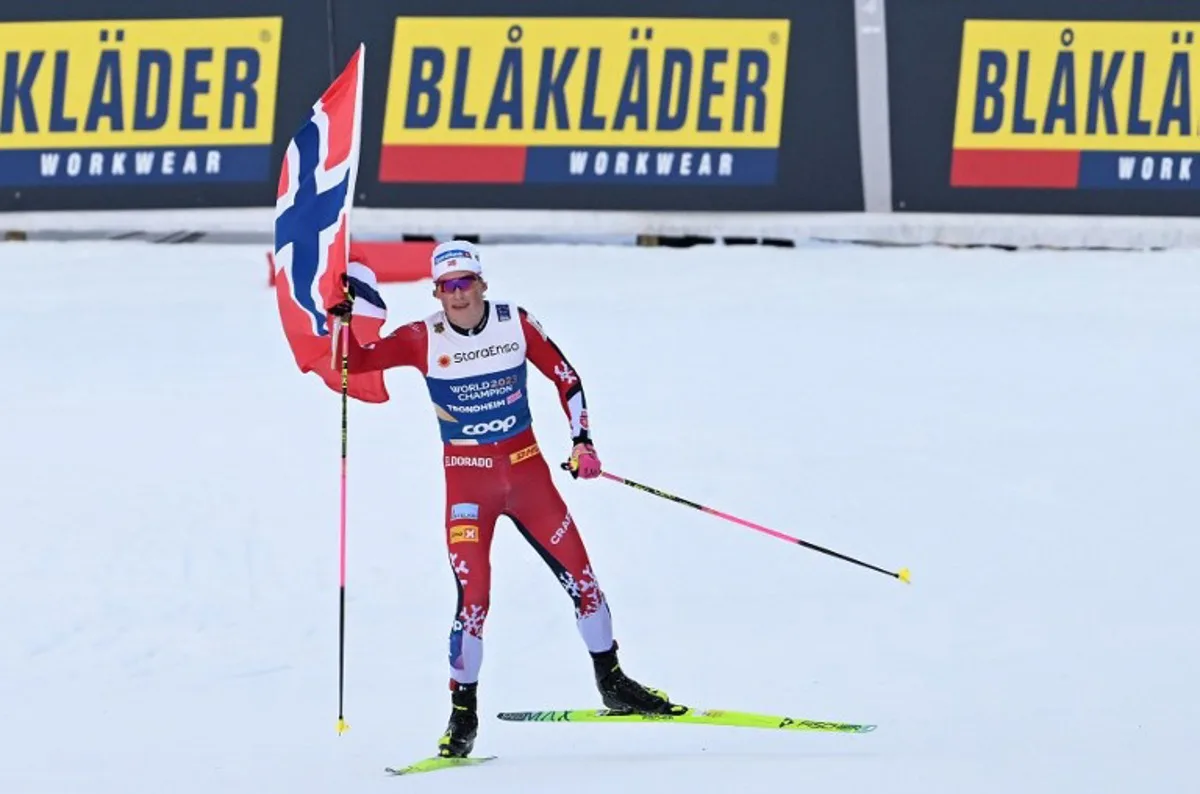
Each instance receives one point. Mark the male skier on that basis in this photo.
(473, 355)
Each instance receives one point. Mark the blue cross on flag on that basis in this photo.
(312, 228)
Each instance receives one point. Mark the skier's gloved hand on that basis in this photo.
(343, 310)
(584, 461)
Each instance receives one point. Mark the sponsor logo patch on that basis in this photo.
(486, 352)
(494, 426)
(475, 462)
(464, 511)
(562, 530)
(524, 454)
(464, 533)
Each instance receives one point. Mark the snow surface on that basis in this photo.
(1019, 429)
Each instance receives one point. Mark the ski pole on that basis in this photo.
(341, 721)
(902, 574)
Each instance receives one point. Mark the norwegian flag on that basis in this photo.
(312, 235)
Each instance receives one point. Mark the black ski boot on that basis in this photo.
(621, 693)
(459, 739)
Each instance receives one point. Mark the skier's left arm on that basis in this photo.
(550, 361)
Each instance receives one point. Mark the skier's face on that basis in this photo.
(461, 295)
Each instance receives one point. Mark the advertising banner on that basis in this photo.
(562, 100)
(622, 105)
(145, 101)
(663, 105)
(113, 105)
(1084, 105)
(1048, 114)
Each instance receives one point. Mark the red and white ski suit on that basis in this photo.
(477, 381)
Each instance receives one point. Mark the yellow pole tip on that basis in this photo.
(342, 727)
(905, 576)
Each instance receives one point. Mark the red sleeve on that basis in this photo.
(550, 361)
(404, 347)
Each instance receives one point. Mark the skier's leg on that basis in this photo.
(470, 522)
(538, 510)
(541, 516)
(471, 511)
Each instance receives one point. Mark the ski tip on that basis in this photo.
(342, 727)
(904, 576)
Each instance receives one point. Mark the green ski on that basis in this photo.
(690, 716)
(437, 762)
